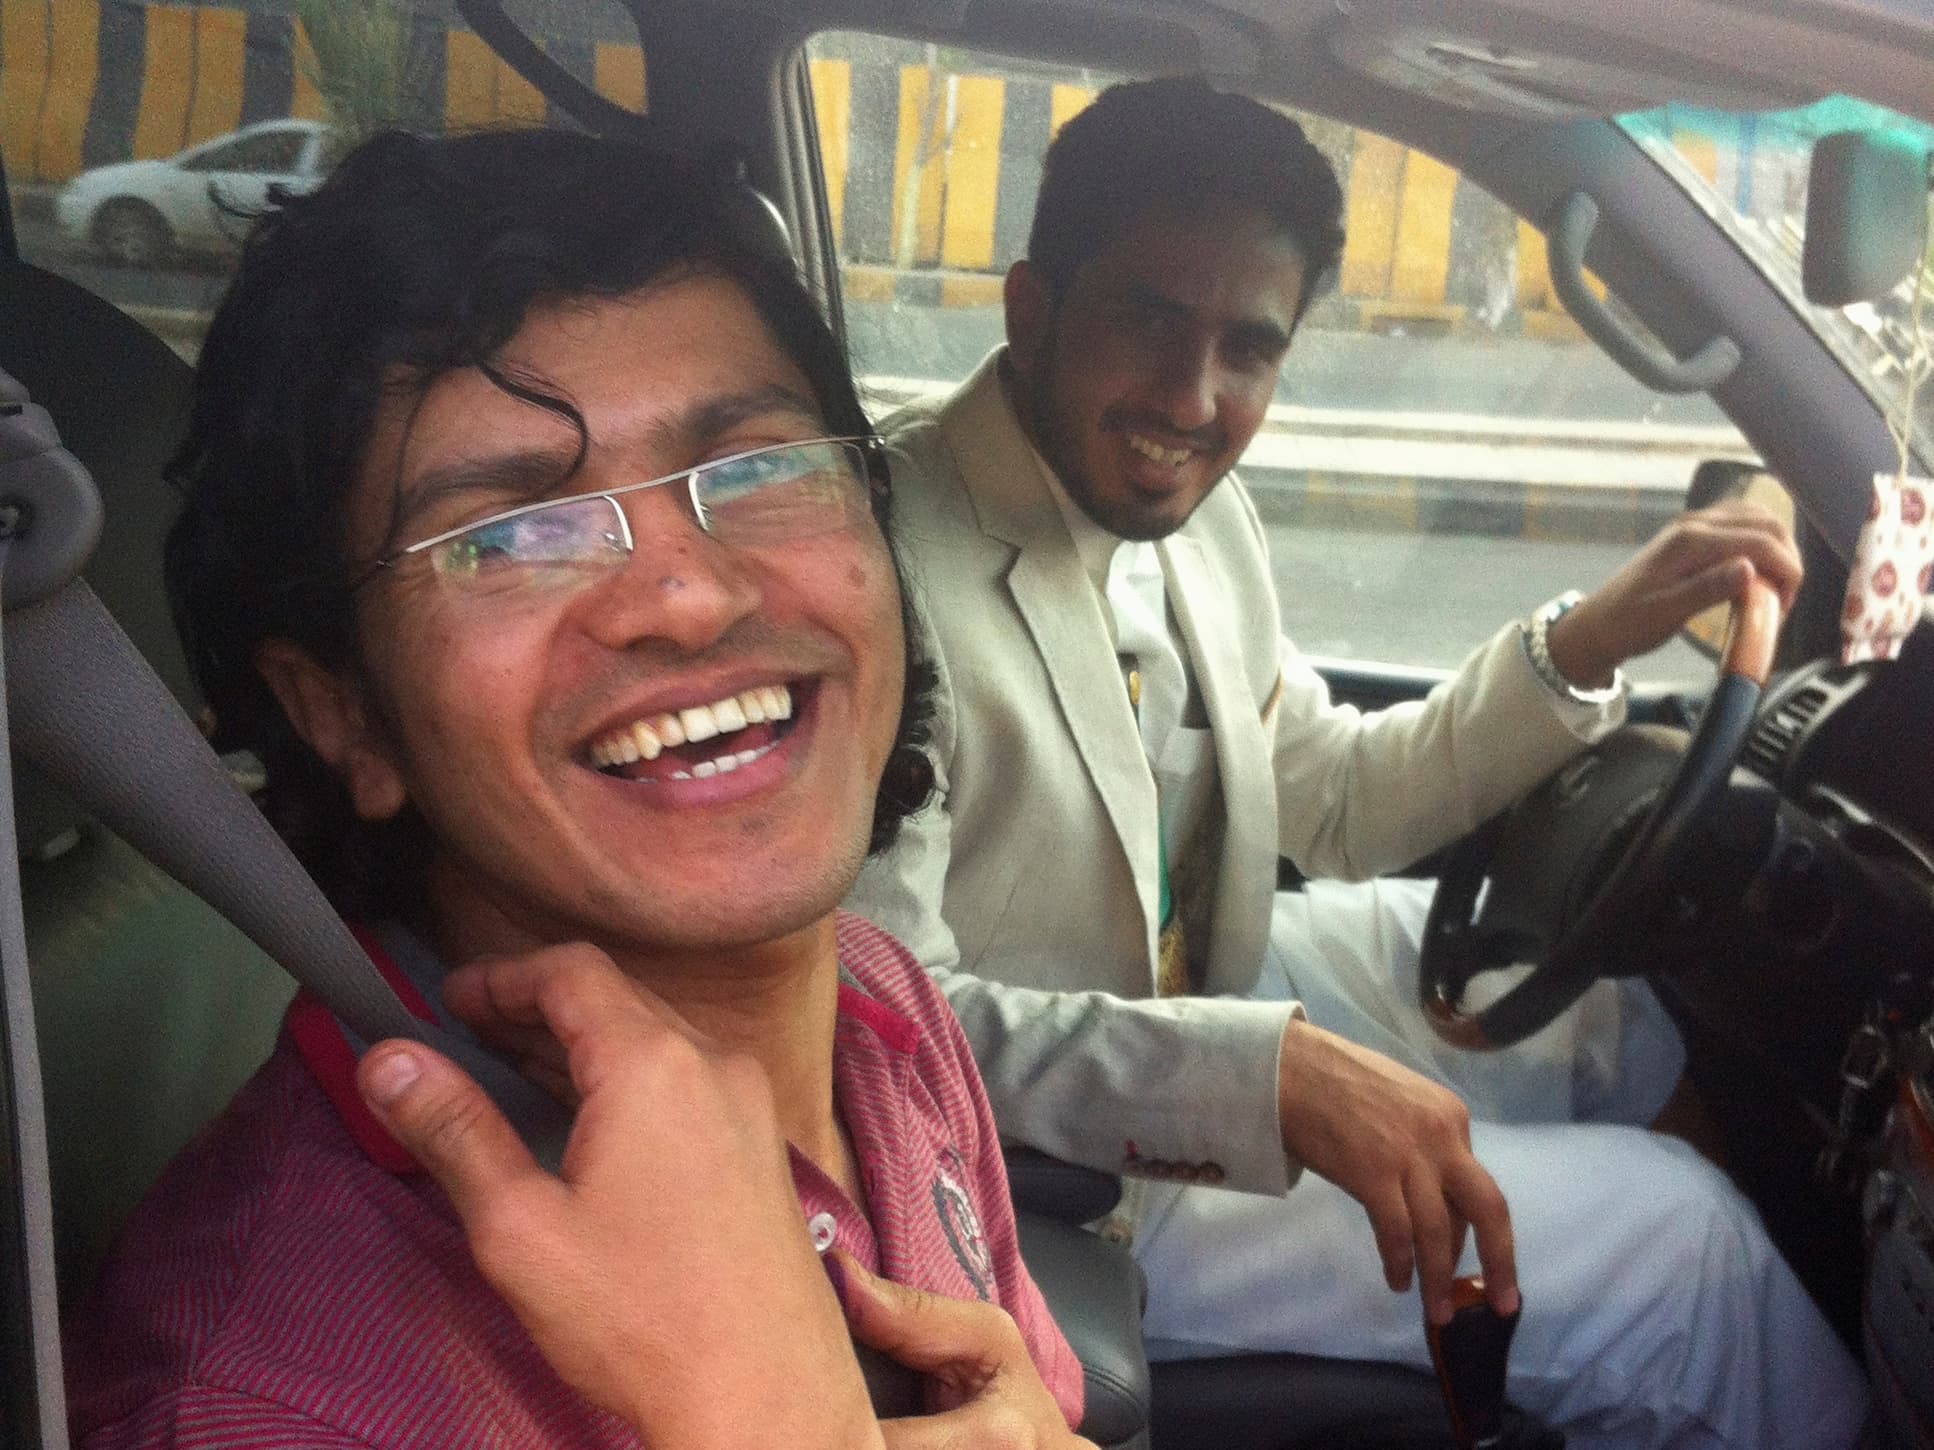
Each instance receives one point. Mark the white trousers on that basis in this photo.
(1349, 953)
(1656, 1311)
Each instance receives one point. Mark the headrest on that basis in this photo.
(119, 397)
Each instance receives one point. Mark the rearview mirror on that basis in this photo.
(1866, 215)
(1729, 478)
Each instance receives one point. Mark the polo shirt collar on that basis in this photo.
(415, 973)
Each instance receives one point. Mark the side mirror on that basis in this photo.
(1729, 478)
(1866, 215)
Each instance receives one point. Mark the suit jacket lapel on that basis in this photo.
(1057, 602)
(1242, 761)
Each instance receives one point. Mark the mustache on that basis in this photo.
(1129, 420)
(795, 651)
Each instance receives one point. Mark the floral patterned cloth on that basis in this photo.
(1893, 567)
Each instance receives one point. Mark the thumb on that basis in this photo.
(446, 1122)
(921, 1330)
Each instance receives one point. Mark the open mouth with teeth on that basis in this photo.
(700, 741)
(1155, 453)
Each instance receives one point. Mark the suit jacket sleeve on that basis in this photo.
(1182, 1087)
(1361, 794)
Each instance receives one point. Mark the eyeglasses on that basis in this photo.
(770, 495)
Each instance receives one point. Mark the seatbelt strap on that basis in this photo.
(83, 705)
(29, 1278)
(88, 710)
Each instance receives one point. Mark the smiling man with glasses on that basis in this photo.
(536, 549)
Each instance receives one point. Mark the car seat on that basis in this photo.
(129, 968)
(150, 1008)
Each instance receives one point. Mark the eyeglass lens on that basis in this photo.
(768, 497)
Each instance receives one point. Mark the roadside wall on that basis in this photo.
(931, 166)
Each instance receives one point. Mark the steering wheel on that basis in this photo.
(1515, 922)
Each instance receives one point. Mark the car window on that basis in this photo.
(1748, 171)
(1446, 449)
(87, 87)
(270, 152)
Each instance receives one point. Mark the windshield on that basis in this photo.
(1749, 172)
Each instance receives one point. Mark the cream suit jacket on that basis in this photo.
(1028, 884)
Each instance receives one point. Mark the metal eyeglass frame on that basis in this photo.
(867, 443)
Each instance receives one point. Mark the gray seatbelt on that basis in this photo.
(35, 1413)
(84, 706)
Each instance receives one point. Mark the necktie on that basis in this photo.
(1158, 688)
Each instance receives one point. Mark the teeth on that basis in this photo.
(648, 739)
(732, 762)
(1155, 453)
(706, 769)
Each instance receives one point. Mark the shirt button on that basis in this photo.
(823, 1230)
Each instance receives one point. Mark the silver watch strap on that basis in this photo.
(1534, 632)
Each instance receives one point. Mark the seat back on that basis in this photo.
(149, 1008)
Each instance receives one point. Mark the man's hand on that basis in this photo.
(1400, 1145)
(1698, 560)
(667, 1275)
(982, 1386)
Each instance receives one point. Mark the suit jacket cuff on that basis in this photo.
(1232, 1137)
(1589, 723)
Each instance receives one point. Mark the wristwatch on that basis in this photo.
(1535, 633)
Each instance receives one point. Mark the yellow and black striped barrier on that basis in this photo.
(931, 172)
(88, 82)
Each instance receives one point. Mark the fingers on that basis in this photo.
(984, 1388)
(923, 1331)
(1396, 1243)
(559, 1011)
(976, 1427)
(1699, 560)
(1440, 1209)
(1742, 533)
(1719, 583)
(1476, 1195)
(1436, 1243)
(436, 1111)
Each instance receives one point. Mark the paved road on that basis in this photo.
(192, 287)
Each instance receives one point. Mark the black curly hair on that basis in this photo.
(1176, 145)
(420, 256)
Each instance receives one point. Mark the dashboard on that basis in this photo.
(1796, 991)
(1835, 927)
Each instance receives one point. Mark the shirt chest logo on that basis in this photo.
(961, 1225)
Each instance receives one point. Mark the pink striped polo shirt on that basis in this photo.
(292, 1279)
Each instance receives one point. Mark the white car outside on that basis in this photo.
(137, 213)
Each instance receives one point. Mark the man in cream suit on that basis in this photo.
(1123, 739)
